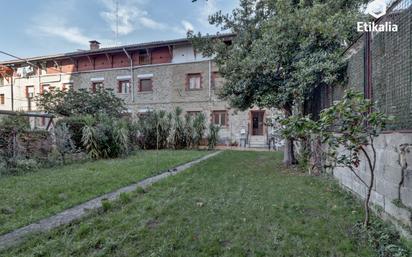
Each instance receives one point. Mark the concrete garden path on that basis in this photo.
(79, 211)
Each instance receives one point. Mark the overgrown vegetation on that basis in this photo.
(105, 137)
(63, 141)
(161, 130)
(213, 136)
(92, 125)
(382, 237)
(22, 149)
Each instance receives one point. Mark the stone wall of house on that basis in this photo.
(169, 82)
(387, 178)
(169, 92)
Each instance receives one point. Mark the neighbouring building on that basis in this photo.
(148, 76)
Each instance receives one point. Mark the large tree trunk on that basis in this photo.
(289, 152)
(289, 156)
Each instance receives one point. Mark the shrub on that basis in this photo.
(63, 141)
(105, 137)
(199, 127)
(121, 136)
(154, 129)
(81, 102)
(16, 123)
(213, 136)
(189, 132)
(20, 166)
(27, 165)
(178, 136)
(10, 127)
(36, 144)
(383, 238)
(75, 125)
(357, 122)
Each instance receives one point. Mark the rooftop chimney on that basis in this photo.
(94, 45)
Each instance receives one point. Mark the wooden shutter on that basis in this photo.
(119, 87)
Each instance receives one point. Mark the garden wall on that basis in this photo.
(387, 179)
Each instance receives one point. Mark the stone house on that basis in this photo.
(148, 76)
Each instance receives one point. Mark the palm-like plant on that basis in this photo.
(178, 138)
(89, 138)
(199, 127)
(121, 136)
(213, 136)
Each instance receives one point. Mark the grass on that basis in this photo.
(27, 198)
(236, 204)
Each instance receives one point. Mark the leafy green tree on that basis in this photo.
(282, 51)
(81, 102)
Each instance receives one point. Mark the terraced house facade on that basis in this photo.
(148, 76)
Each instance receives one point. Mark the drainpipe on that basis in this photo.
(131, 73)
(12, 88)
(210, 80)
(12, 91)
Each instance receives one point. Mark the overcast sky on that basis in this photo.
(40, 27)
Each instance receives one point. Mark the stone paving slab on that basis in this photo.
(79, 211)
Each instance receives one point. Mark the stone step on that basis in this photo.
(254, 140)
(258, 145)
(257, 142)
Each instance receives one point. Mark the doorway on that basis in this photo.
(257, 123)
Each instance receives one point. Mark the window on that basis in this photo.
(2, 99)
(123, 86)
(145, 85)
(67, 86)
(30, 92)
(193, 114)
(194, 81)
(144, 59)
(30, 96)
(220, 118)
(96, 86)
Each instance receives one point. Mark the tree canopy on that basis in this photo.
(81, 102)
(283, 49)
(281, 52)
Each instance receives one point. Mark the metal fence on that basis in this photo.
(380, 65)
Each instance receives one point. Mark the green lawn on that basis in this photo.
(30, 197)
(236, 204)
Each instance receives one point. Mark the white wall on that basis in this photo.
(185, 53)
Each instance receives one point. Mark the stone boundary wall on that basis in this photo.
(387, 178)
